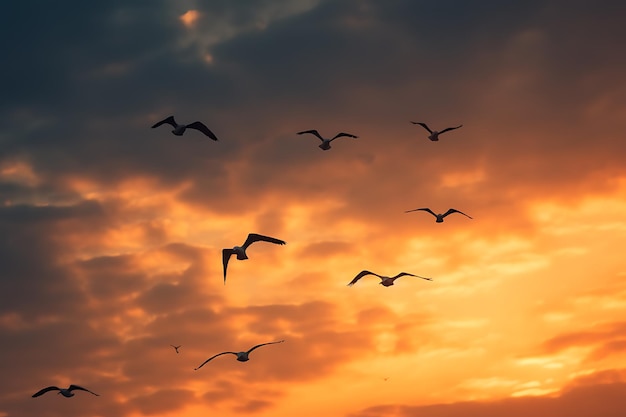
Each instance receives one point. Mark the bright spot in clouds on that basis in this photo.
(190, 17)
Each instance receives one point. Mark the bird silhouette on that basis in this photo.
(434, 134)
(325, 145)
(240, 251)
(386, 281)
(66, 392)
(439, 216)
(179, 129)
(241, 356)
(176, 347)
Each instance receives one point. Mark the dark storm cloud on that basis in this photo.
(444, 55)
(53, 45)
(341, 46)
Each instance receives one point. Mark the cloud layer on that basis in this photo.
(111, 232)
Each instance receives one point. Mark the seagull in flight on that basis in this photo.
(176, 347)
(241, 356)
(180, 129)
(434, 134)
(240, 251)
(66, 392)
(325, 145)
(439, 216)
(386, 281)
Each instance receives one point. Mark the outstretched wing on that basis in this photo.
(423, 125)
(170, 120)
(253, 237)
(423, 209)
(43, 391)
(313, 132)
(341, 134)
(202, 128)
(401, 274)
(73, 387)
(449, 128)
(450, 211)
(226, 253)
(213, 357)
(263, 344)
(361, 275)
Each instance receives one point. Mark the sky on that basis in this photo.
(112, 232)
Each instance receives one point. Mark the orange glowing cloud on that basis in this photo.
(190, 17)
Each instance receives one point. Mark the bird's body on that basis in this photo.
(385, 281)
(240, 251)
(66, 392)
(439, 217)
(179, 129)
(176, 347)
(434, 134)
(241, 356)
(325, 145)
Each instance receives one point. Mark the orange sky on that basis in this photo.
(112, 232)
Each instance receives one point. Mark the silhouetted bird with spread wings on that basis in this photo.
(386, 281)
(325, 145)
(179, 129)
(434, 134)
(439, 216)
(66, 392)
(241, 356)
(240, 251)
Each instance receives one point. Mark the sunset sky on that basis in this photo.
(112, 232)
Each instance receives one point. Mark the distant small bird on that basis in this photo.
(180, 129)
(240, 251)
(176, 347)
(326, 142)
(241, 356)
(434, 134)
(66, 392)
(386, 281)
(439, 216)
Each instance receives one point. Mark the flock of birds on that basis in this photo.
(240, 251)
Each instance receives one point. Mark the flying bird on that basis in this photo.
(434, 134)
(240, 251)
(176, 347)
(386, 281)
(325, 145)
(66, 392)
(180, 129)
(439, 216)
(241, 356)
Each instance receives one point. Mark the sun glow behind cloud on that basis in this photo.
(190, 17)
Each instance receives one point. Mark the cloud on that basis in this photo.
(110, 232)
(578, 401)
(162, 401)
(605, 340)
